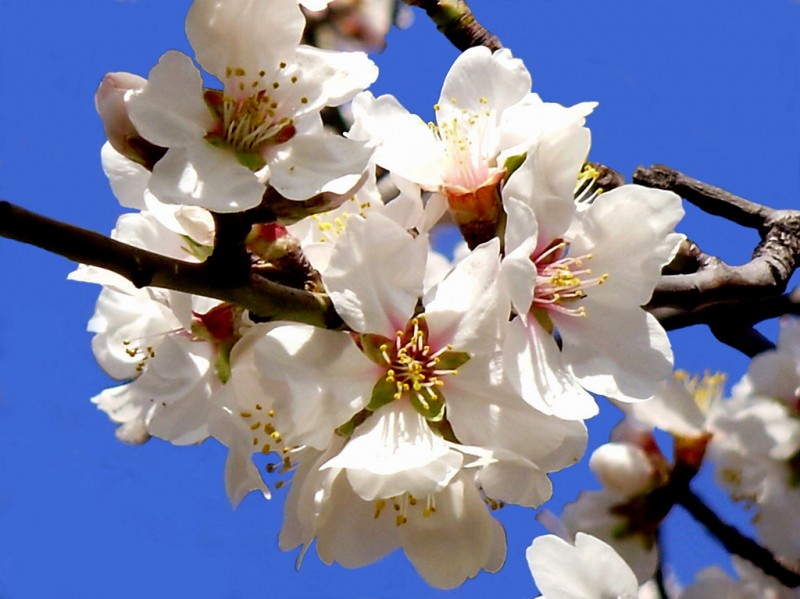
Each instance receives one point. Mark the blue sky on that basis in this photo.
(709, 87)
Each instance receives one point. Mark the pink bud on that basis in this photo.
(109, 100)
(622, 468)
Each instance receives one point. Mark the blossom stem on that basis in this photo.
(264, 298)
(737, 543)
(456, 21)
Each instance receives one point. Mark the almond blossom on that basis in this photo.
(264, 127)
(576, 282)
(485, 116)
(410, 408)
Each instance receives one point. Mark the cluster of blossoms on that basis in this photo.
(451, 388)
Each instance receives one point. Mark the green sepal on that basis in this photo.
(382, 393)
(452, 360)
(251, 160)
(512, 163)
(349, 427)
(222, 365)
(543, 318)
(432, 409)
(198, 250)
(370, 345)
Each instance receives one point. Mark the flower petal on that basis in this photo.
(170, 110)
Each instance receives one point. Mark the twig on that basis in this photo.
(266, 299)
(698, 288)
(735, 542)
(456, 21)
(708, 198)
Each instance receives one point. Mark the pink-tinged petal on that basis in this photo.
(406, 145)
(535, 368)
(308, 165)
(319, 380)
(170, 110)
(465, 309)
(233, 33)
(127, 178)
(206, 176)
(587, 570)
(457, 541)
(480, 80)
(518, 272)
(375, 274)
(339, 76)
(622, 354)
(396, 452)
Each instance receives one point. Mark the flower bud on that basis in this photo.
(109, 100)
(622, 468)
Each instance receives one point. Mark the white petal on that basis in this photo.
(375, 274)
(518, 272)
(546, 181)
(170, 110)
(339, 75)
(480, 80)
(205, 176)
(465, 309)
(535, 368)
(319, 380)
(396, 452)
(127, 178)
(406, 145)
(232, 33)
(457, 541)
(308, 165)
(635, 356)
(589, 570)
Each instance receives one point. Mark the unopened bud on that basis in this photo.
(109, 100)
(622, 468)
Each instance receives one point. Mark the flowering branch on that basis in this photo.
(264, 298)
(456, 21)
(736, 542)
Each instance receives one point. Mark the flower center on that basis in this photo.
(466, 136)
(562, 280)
(254, 113)
(414, 369)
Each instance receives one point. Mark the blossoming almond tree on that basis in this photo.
(277, 289)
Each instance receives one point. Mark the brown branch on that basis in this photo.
(708, 198)
(264, 298)
(698, 288)
(456, 21)
(737, 543)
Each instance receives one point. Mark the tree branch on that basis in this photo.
(735, 542)
(264, 298)
(698, 288)
(456, 21)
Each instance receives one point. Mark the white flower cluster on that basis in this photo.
(753, 439)
(451, 389)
